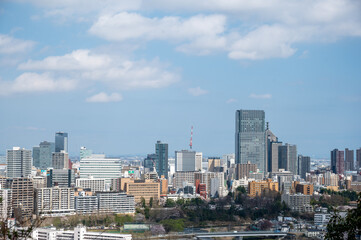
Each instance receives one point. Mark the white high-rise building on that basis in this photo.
(98, 166)
(18, 162)
(54, 201)
(95, 184)
(188, 160)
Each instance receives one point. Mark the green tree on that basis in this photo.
(151, 202)
(142, 201)
(169, 203)
(348, 228)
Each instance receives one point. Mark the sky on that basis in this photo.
(120, 75)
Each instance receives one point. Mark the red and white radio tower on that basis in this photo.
(191, 142)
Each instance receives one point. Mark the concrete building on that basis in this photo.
(84, 152)
(244, 169)
(60, 160)
(54, 201)
(349, 160)
(18, 162)
(42, 155)
(321, 218)
(60, 177)
(61, 141)
(39, 182)
(79, 233)
(161, 152)
(330, 179)
(5, 203)
(116, 202)
(188, 161)
(271, 150)
(337, 161)
(297, 202)
(206, 178)
(213, 163)
(85, 204)
(22, 197)
(304, 188)
(98, 166)
(251, 138)
(358, 158)
(287, 158)
(149, 162)
(183, 178)
(95, 184)
(258, 187)
(143, 189)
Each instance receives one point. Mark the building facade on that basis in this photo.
(287, 158)
(188, 160)
(161, 152)
(304, 165)
(337, 161)
(18, 162)
(61, 141)
(250, 138)
(95, 184)
(349, 160)
(60, 160)
(54, 201)
(116, 202)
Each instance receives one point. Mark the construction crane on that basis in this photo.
(191, 142)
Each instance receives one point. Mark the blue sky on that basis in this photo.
(120, 75)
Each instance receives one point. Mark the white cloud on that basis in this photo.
(231, 100)
(81, 59)
(197, 91)
(261, 96)
(10, 45)
(102, 97)
(33, 82)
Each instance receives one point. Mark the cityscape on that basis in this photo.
(164, 193)
(154, 119)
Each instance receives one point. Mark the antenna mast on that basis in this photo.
(191, 142)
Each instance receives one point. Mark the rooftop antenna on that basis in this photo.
(191, 142)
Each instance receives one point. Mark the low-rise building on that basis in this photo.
(258, 187)
(322, 218)
(297, 202)
(116, 202)
(146, 189)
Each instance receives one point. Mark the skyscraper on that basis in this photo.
(287, 158)
(61, 141)
(161, 150)
(349, 160)
(250, 138)
(304, 165)
(187, 160)
(358, 158)
(42, 155)
(60, 160)
(84, 152)
(18, 162)
(337, 161)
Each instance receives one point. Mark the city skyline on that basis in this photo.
(65, 67)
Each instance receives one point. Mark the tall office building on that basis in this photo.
(188, 160)
(349, 160)
(60, 160)
(18, 162)
(60, 177)
(250, 138)
(161, 151)
(273, 155)
(61, 141)
(358, 158)
(337, 161)
(304, 165)
(42, 155)
(287, 158)
(98, 166)
(149, 161)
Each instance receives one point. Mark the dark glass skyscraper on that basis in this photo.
(61, 141)
(304, 165)
(349, 160)
(250, 138)
(337, 161)
(42, 155)
(161, 151)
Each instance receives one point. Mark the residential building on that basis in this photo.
(287, 158)
(258, 187)
(306, 189)
(244, 169)
(116, 202)
(60, 160)
(39, 182)
(85, 204)
(18, 162)
(5, 203)
(337, 161)
(186, 160)
(251, 138)
(321, 218)
(161, 151)
(206, 178)
(349, 160)
(297, 202)
(143, 189)
(95, 184)
(61, 141)
(98, 166)
(54, 201)
(304, 165)
(22, 197)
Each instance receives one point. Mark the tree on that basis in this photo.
(348, 228)
(151, 202)
(142, 201)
